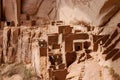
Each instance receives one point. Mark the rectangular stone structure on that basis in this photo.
(62, 27)
(43, 51)
(81, 36)
(58, 74)
(52, 39)
(69, 46)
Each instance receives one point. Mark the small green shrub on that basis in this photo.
(27, 74)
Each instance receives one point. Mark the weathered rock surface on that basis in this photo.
(14, 77)
(30, 43)
(22, 45)
(69, 11)
(35, 8)
(97, 13)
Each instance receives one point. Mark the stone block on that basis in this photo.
(68, 37)
(116, 56)
(96, 38)
(56, 23)
(77, 31)
(56, 46)
(68, 46)
(111, 47)
(104, 39)
(43, 51)
(88, 51)
(70, 58)
(59, 22)
(62, 66)
(111, 54)
(115, 33)
(62, 27)
(67, 30)
(95, 47)
(86, 44)
(52, 39)
(59, 74)
(81, 36)
(108, 49)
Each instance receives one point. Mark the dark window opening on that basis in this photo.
(77, 48)
(55, 59)
(8, 23)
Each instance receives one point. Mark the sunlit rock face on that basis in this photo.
(40, 8)
(94, 12)
(21, 45)
(97, 13)
(35, 8)
(89, 43)
(9, 9)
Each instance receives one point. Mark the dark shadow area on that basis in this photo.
(70, 58)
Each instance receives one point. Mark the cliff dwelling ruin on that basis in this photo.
(59, 39)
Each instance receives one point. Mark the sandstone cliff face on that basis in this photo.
(103, 13)
(23, 44)
(40, 8)
(35, 8)
(95, 12)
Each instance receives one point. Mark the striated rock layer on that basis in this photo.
(21, 45)
(86, 49)
(95, 12)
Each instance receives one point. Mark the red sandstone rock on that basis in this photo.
(1, 55)
(10, 55)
